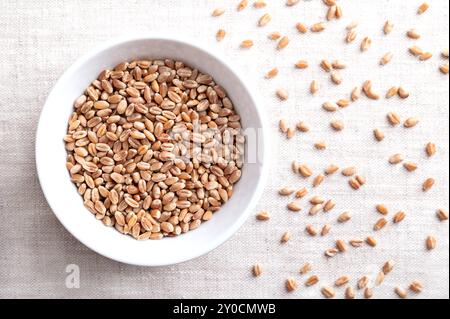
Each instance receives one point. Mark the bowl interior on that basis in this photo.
(67, 204)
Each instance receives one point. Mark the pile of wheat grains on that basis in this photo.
(154, 148)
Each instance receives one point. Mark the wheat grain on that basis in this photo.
(218, 12)
(257, 270)
(422, 8)
(220, 35)
(312, 280)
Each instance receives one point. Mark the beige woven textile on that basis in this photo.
(40, 39)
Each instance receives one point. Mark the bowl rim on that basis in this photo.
(264, 136)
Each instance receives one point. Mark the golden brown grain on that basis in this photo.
(311, 230)
(318, 27)
(402, 92)
(294, 206)
(313, 87)
(282, 94)
(303, 127)
(339, 12)
(340, 245)
(301, 192)
(264, 19)
(325, 230)
(416, 286)
(363, 282)
(326, 65)
(361, 179)
(331, 169)
(218, 12)
(356, 93)
(353, 182)
(247, 44)
(337, 125)
(349, 293)
(331, 13)
(382, 209)
(272, 73)
(307, 267)
(442, 215)
(123, 162)
(386, 58)
(312, 280)
(318, 180)
(379, 279)
(368, 90)
(342, 281)
(328, 292)
(388, 266)
(283, 126)
(301, 64)
(321, 145)
(427, 184)
(291, 284)
(336, 78)
(422, 8)
(257, 270)
(410, 166)
(413, 34)
(444, 69)
(356, 242)
(294, 167)
(263, 216)
(274, 36)
(379, 135)
(396, 158)
(220, 35)
(388, 26)
(344, 217)
(402, 293)
(425, 56)
(430, 149)
(351, 36)
(371, 241)
(301, 27)
(399, 216)
(415, 50)
(316, 200)
(392, 92)
(349, 171)
(291, 2)
(284, 41)
(329, 2)
(368, 293)
(286, 237)
(343, 103)
(258, 4)
(304, 170)
(431, 242)
(393, 118)
(329, 205)
(380, 224)
(290, 132)
(315, 209)
(286, 191)
(365, 44)
(330, 106)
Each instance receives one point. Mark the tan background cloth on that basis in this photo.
(40, 39)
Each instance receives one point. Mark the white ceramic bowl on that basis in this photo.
(62, 195)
